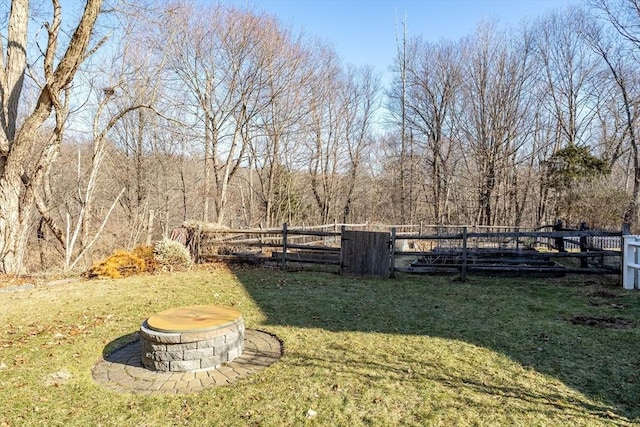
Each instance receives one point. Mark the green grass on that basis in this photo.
(410, 351)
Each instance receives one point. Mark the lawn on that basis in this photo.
(410, 351)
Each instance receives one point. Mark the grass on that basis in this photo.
(410, 351)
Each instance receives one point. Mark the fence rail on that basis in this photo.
(435, 248)
(509, 251)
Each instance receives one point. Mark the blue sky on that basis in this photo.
(363, 31)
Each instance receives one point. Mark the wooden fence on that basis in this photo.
(509, 252)
(413, 249)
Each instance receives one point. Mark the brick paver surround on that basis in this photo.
(122, 370)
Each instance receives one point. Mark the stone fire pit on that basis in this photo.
(191, 338)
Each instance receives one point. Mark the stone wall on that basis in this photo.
(190, 351)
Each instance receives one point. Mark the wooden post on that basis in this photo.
(197, 243)
(584, 248)
(463, 272)
(392, 268)
(284, 246)
(343, 228)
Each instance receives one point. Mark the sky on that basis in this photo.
(363, 32)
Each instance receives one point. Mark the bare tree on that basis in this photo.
(494, 89)
(219, 58)
(326, 128)
(359, 95)
(397, 106)
(621, 60)
(342, 105)
(25, 160)
(433, 88)
(567, 66)
(286, 79)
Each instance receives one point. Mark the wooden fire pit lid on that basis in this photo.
(194, 318)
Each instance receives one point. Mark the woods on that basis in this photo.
(123, 121)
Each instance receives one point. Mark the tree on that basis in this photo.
(432, 89)
(568, 67)
(220, 58)
(338, 132)
(397, 106)
(622, 61)
(567, 169)
(359, 93)
(25, 159)
(286, 74)
(494, 91)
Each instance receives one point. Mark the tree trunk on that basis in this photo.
(18, 186)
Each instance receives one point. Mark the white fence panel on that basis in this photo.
(631, 263)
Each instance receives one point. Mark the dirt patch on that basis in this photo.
(600, 303)
(602, 294)
(602, 322)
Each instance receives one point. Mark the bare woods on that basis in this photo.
(121, 121)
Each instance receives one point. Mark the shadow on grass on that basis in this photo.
(115, 351)
(528, 321)
(549, 401)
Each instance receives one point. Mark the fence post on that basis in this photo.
(628, 256)
(284, 246)
(626, 231)
(635, 283)
(343, 228)
(392, 271)
(631, 264)
(197, 244)
(463, 272)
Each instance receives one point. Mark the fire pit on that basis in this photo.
(191, 338)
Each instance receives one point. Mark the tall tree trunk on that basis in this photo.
(19, 187)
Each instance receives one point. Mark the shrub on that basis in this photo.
(171, 254)
(166, 255)
(119, 264)
(147, 253)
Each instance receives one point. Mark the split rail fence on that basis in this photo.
(364, 249)
(510, 252)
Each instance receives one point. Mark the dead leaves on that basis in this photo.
(52, 335)
(19, 361)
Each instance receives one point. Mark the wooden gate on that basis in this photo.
(365, 253)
